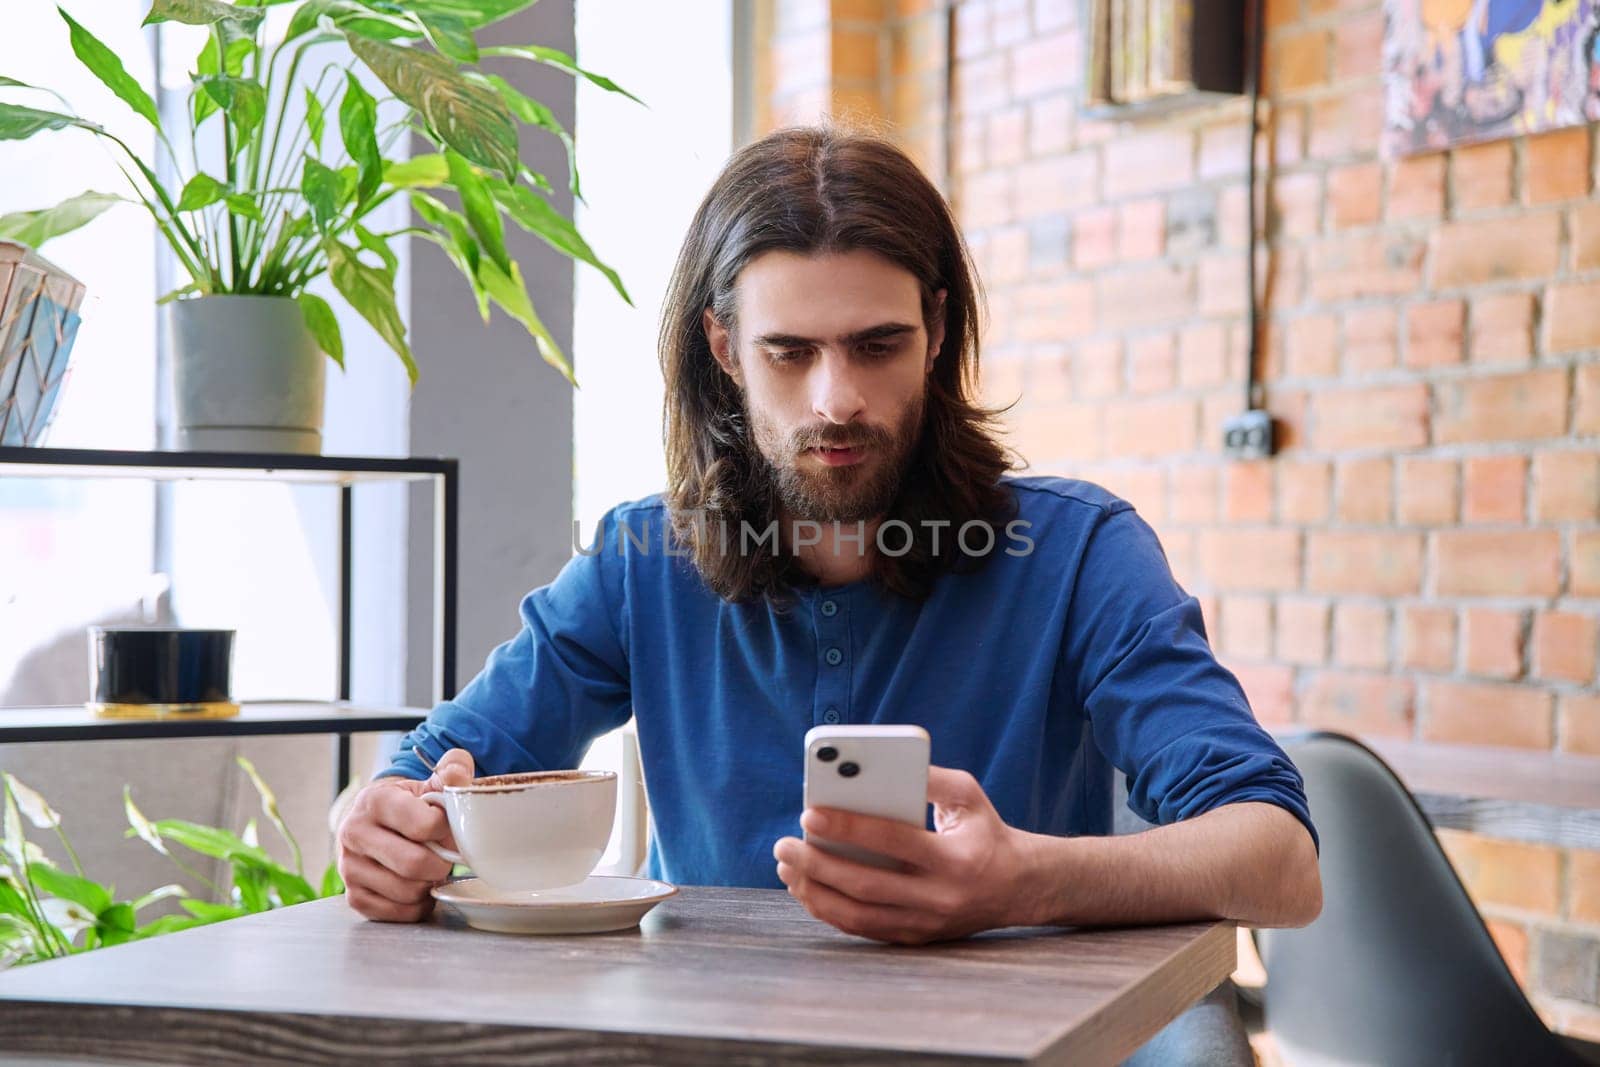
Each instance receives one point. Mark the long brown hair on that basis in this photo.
(815, 191)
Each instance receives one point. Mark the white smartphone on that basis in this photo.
(874, 770)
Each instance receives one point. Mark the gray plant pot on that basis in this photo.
(249, 377)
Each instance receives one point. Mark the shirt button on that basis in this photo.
(834, 656)
(829, 608)
(831, 716)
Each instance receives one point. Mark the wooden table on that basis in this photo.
(713, 976)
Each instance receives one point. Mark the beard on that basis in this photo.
(852, 493)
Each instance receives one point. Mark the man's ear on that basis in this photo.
(936, 328)
(721, 345)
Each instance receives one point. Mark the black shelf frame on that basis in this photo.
(341, 472)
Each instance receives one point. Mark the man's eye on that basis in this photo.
(880, 348)
(787, 355)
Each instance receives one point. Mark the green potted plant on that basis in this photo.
(279, 174)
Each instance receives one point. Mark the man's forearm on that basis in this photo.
(1253, 863)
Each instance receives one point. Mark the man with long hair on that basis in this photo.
(841, 541)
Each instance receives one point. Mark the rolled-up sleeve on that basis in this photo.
(1160, 706)
(547, 693)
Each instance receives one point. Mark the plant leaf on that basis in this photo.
(18, 123)
(115, 924)
(450, 36)
(314, 119)
(202, 13)
(142, 826)
(332, 884)
(538, 114)
(323, 324)
(201, 191)
(358, 121)
(104, 64)
(210, 841)
(370, 292)
(554, 57)
(34, 228)
(179, 293)
(250, 888)
(457, 242)
(378, 247)
(511, 293)
(34, 807)
(59, 883)
(12, 842)
(244, 100)
(269, 802)
(462, 115)
(292, 889)
(320, 187)
(478, 205)
(243, 204)
(167, 924)
(424, 171)
(67, 916)
(167, 891)
(206, 911)
(537, 215)
(473, 13)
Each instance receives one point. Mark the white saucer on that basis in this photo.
(595, 905)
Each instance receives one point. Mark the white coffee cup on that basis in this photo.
(539, 830)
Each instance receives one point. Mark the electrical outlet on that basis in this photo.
(1248, 436)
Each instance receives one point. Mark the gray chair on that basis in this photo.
(1399, 969)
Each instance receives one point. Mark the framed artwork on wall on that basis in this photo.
(1460, 71)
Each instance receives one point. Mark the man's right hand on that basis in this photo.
(387, 870)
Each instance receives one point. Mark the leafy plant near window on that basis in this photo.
(300, 163)
(44, 909)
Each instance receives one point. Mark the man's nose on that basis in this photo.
(835, 392)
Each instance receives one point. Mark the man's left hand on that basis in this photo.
(966, 876)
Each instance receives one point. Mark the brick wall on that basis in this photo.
(1422, 559)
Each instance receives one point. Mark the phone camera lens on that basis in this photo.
(849, 770)
(827, 753)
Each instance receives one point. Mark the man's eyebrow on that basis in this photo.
(872, 333)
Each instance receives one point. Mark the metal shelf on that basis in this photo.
(77, 723)
(218, 466)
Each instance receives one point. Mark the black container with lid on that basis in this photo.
(160, 672)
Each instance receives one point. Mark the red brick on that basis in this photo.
(1049, 374)
(1144, 487)
(1482, 175)
(1195, 492)
(1045, 64)
(1508, 563)
(1380, 563)
(1391, 416)
(1366, 488)
(1580, 724)
(1371, 340)
(1493, 644)
(1585, 226)
(1375, 704)
(1094, 238)
(1566, 486)
(1347, 123)
(1269, 689)
(1302, 630)
(1365, 264)
(1435, 333)
(1097, 367)
(1247, 626)
(1149, 162)
(1502, 328)
(1472, 253)
(1150, 428)
(1152, 363)
(1248, 492)
(1564, 646)
(1427, 638)
(1484, 713)
(1299, 61)
(1355, 195)
(1361, 634)
(1203, 355)
(1145, 295)
(1007, 136)
(1303, 491)
(1358, 46)
(1586, 563)
(1583, 886)
(1495, 489)
(1223, 150)
(1069, 432)
(1586, 417)
(1061, 183)
(1312, 347)
(1245, 559)
(1416, 187)
(1295, 205)
(1512, 941)
(1054, 311)
(1507, 874)
(1142, 228)
(1427, 492)
(1573, 312)
(1050, 123)
(1222, 285)
(1556, 165)
(1506, 407)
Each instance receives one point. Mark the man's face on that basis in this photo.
(832, 358)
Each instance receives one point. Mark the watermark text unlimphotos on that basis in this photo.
(893, 537)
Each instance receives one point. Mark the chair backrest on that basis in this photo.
(1399, 968)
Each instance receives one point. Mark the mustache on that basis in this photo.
(839, 437)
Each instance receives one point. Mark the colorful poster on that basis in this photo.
(1458, 71)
